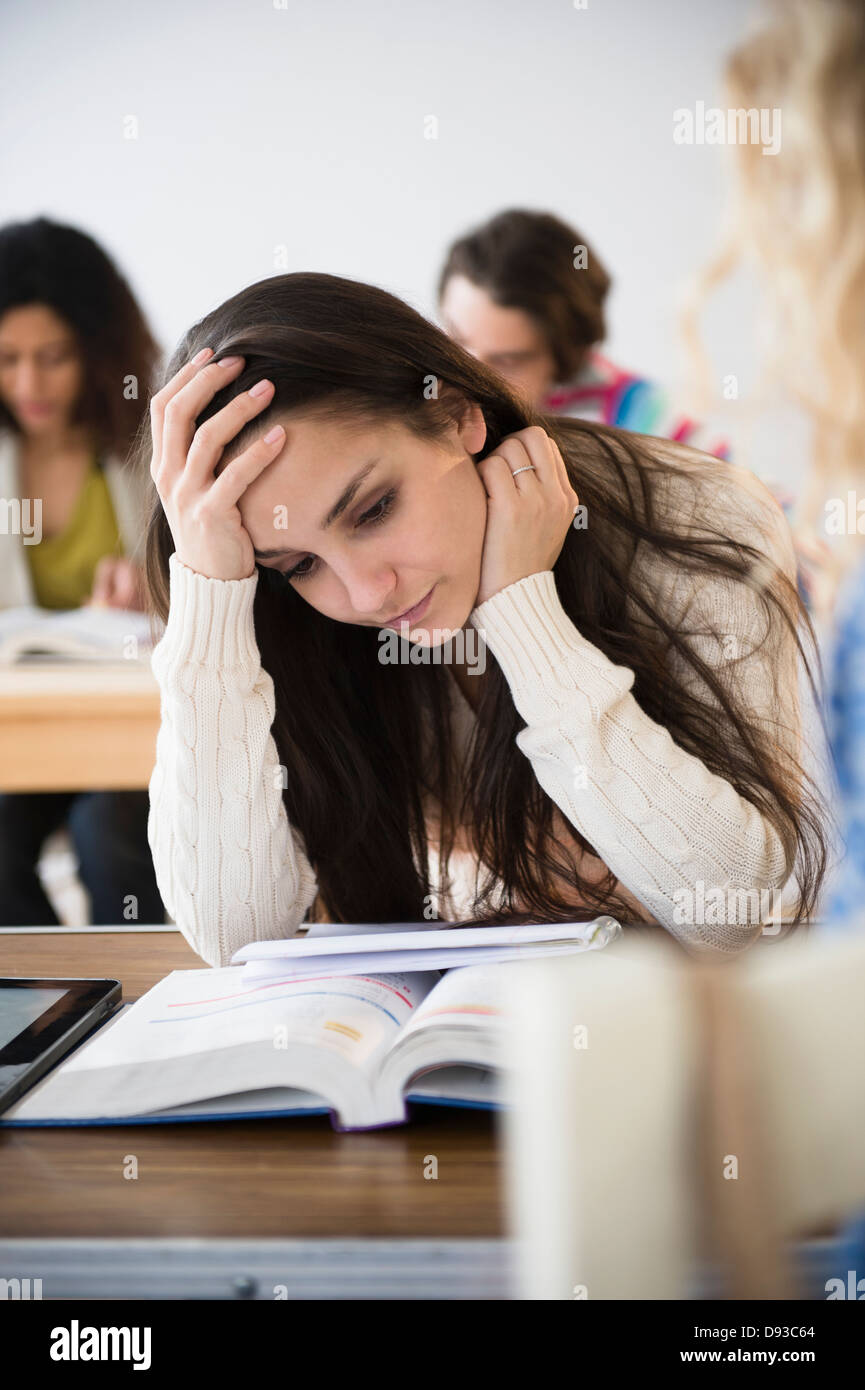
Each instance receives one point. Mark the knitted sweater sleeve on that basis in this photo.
(229, 866)
(671, 830)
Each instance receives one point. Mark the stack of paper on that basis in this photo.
(354, 949)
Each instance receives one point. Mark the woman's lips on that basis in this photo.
(412, 615)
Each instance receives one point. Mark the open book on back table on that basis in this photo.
(91, 633)
(263, 1039)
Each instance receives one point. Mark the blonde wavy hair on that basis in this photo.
(799, 217)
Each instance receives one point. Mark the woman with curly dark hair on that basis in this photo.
(76, 360)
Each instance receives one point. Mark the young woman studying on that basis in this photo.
(329, 465)
(72, 340)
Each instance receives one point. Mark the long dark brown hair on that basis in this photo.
(351, 732)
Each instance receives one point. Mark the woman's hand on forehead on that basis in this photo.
(199, 492)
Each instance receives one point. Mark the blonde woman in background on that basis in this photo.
(799, 217)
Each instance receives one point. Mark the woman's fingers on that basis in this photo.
(564, 477)
(516, 455)
(530, 446)
(534, 446)
(201, 509)
(102, 580)
(495, 471)
(515, 452)
(161, 399)
(116, 583)
(243, 470)
(211, 438)
(180, 412)
(125, 584)
(545, 482)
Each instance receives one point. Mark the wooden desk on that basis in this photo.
(230, 1209)
(68, 728)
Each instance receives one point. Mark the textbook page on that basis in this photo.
(196, 1035)
(458, 1026)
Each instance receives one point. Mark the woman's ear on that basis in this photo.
(472, 428)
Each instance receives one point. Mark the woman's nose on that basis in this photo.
(372, 590)
(27, 379)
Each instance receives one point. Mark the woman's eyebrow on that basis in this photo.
(43, 347)
(344, 500)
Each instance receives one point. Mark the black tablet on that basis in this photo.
(41, 1020)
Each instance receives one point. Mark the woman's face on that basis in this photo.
(414, 522)
(508, 340)
(41, 371)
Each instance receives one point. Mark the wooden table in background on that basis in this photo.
(233, 1208)
(67, 727)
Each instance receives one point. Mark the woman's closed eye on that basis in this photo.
(372, 517)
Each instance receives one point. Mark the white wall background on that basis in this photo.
(303, 127)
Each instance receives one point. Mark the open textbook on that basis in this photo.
(211, 1044)
(89, 633)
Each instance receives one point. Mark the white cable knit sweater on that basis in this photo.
(231, 869)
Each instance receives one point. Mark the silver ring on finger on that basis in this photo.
(523, 469)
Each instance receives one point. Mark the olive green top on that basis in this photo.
(62, 566)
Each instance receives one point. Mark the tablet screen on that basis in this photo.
(20, 1008)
